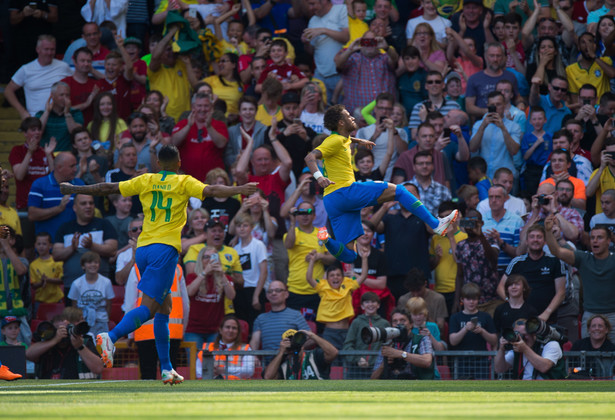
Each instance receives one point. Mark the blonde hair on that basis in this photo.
(433, 44)
(416, 306)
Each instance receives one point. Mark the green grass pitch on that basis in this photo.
(313, 400)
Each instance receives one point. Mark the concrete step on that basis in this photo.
(9, 124)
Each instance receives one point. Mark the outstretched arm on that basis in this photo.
(225, 191)
(103, 188)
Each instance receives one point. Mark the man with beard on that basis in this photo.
(560, 162)
(545, 274)
(484, 82)
(127, 169)
(344, 198)
(589, 69)
(146, 148)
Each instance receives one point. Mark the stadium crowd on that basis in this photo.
(503, 110)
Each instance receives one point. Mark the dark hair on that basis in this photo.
(434, 73)
(494, 94)
(517, 278)
(402, 312)
(415, 279)
(422, 153)
(563, 133)
(470, 291)
(447, 205)
(237, 342)
(565, 181)
(97, 119)
(89, 256)
(273, 87)
(537, 108)
(502, 170)
(280, 43)
(44, 235)
(247, 99)
(333, 267)
(168, 154)
(562, 152)
(30, 122)
(369, 224)
(385, 96)
(573, 122)
(587, 86)
(333, 116)
(411, 51)
(84, 50)
(433, 115)
(137, 116)
(536, 227)
(423, 125)
(362, 153)
(513, 17)
(234, 59)
(563, 79)
(479, 163)
(369, 296)
(73, 135)
(263, 31)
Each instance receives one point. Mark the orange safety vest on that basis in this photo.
(222, 360)
(176, 318)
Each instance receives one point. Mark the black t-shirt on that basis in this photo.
(540, 275)
(297, 147)
(375, 175)
(471, 341)
(406, 244)
(223, 210)
(504, 315)
(585, 344)
(376, 264)
(119, 176)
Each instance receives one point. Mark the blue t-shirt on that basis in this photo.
(541, 154)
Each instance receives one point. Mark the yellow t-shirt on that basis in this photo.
(229, 94)
(229, 258)
(164, 197)
(226, 47)
(50, 293)
(607, 182)
(297, 265)
(172, 82)
(595, 76)
(9, 217)
(337, 162)
(446, 270)
(105, 128)
(356, 28)
(264, 118)
(164, 4)
(335, 304)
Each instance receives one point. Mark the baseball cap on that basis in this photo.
(214, 221)
(290, 98)
(133, 40)
(451, 76)
(9, 319)
(480, 2)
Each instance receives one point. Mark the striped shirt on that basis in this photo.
(509, 228)
(447, 105)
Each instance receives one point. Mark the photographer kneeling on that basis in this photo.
(60, 355)
(294, 362)
(532, 350)
(408, 356)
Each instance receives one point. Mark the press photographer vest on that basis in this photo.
(558, 371)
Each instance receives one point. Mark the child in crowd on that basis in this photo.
(209, 10)
(269, 107)
(360, 367)
(139, 72)
(468, 196)
(411, 83)
(467, 62)
(93, 293)
(477, 174)
(46, 273)
(290, 76)
(515, 54)
(335, 308)
(253, 257)
(10, 331)
(536, 148)
(472, 329)
(121, 219)
(232, 40)
(442, 252)
(454, 89)
(517, 291)
(357, 10)
(364, 159)
(417, 308)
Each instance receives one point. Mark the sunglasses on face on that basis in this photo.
(559, 89)
(136, 229)
(433, 82)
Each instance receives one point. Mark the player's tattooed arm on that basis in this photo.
(365, 143)
(103, 188)
(310, 161)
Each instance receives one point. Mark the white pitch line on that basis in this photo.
(61, 384)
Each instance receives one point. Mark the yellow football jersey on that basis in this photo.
(164, 197)
(337, 162)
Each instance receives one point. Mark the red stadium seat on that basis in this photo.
(245, 330)
(312, 325)
(118, 291)
(116, 313)
(445, 372)
(46, 311)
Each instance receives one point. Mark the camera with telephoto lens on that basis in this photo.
(297, 339)
(543, 199)
(46, 330)
(511, 336)
(544, 333)
(387, 336)
(80, 329)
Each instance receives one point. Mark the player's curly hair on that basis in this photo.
(333, 116)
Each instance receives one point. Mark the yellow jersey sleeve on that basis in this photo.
(193, 253)
(337, 162)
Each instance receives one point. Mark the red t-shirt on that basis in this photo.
(137, 90)
(79, 93)
(206, 307)
(120, 88)
(38, 168)
(198, 153)
(283, 73)
(579, 12)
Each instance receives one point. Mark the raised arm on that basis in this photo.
(563, 254)
(309, 274)
(156, 60)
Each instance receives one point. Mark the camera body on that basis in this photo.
(491, 109)
(369, 42)
(543, 200)
(544, 333)
(511, 336)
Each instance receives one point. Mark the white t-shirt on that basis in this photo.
(600, 219)
(250, 257)
(210, 9)
(92, 298)
(513, 204)
(326, 47)
(316, 121)
(439, 25)
(130, 293)
(551, 351)
(36, 81)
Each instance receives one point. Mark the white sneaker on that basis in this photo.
(171, 377)
(105, 348)
(445, 222)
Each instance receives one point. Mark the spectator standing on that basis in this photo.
(516, 307)
(553, 103)
(99, 11)
(83, 88)
(59, 119)
(46, 273)
(432, 193)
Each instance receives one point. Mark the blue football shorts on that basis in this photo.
(156, 263)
